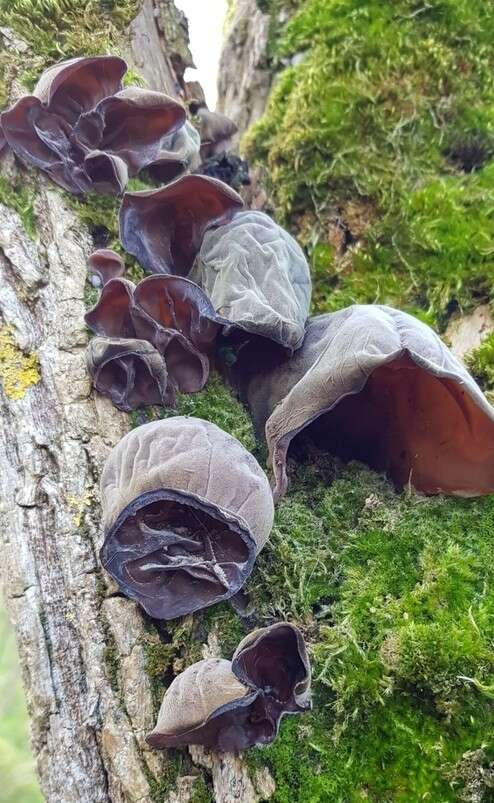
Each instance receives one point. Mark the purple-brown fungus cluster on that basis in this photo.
(88, 132)
(152, 340)
(233, 705)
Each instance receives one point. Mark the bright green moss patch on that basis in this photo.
(481, 363)
(390, 109)
(17, 195)
(395, 594)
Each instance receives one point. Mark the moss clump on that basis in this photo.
(201, 793)
(391, 109)
(481, 363)
(394, 593)
(18, 371)
(17, 195)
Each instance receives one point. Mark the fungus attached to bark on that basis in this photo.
(105, 264)
(257, 278)
(186, 510)
(87, 133)
(231, 706)
(216, 130)
(375, 384)
(111, 316)
(179, 154)
(176, 316)
(130, 372)
(164, 228)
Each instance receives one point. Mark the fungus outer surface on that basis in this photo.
(111, 315)
(179, 153)
(375, 384)
(257, 278)
(186, 510)
(232, 706)
(130, 372)
(164, 228)
(105, 264)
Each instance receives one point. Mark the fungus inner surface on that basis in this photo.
(176, 554)
(421, 429)
(272, 663)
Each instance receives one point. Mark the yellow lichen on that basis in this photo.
(78, 506)
(18, 371)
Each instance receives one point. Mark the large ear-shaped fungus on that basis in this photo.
(39, 127)
(131, 125)
(111, 316)
(233, 706)
(186, 510)
(175, 316)
(257, 278)
(179, 154)
(375, 384)
(164, 228)
(130, 372)
(216, 130)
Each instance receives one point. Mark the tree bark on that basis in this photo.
(81, 644)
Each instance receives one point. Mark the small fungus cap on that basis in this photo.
(105, 264)
(186, 509)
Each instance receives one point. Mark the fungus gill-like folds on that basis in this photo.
(186, 510)
(257, 278)
(130, 372)
(105, 264)
(230, 706)
(87, 133)
(164, 228)
(375, 384)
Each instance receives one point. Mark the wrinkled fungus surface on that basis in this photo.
(130, 372)
(179, 154)
(87, 133)
(234, 705)
(257, 278)
(375, 384)
(105, 264)
(186, 510)
(164, 228)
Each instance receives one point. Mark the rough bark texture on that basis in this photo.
(81, 646)
(244, 74)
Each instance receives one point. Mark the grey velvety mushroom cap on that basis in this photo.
(234, 705)
(186, 510)
(257, 278)
(375, 384)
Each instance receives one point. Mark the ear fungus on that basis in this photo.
(131, 125)
(257, 278)
(375, 384)
(175, 316)
(111, 316)
(179, 154)
(164, 228)
(230, 706)
(216, 130)
(130, 372)
(105, 264)
(186, 510)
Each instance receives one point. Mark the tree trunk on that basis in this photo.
(81, 644)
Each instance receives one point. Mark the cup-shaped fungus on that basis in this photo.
(164, 228)
(179, 154)
(257, 278)
(176, 316)
(130, 372)
(375, 384)
(216, 130)
(186, 510)
(87, 133)
(105, 264)
(111, 316)
(230, 706)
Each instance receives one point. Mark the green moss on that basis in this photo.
(481, 363)
(201, 792)
(394, 593)
(17, 194)
(391, 106)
